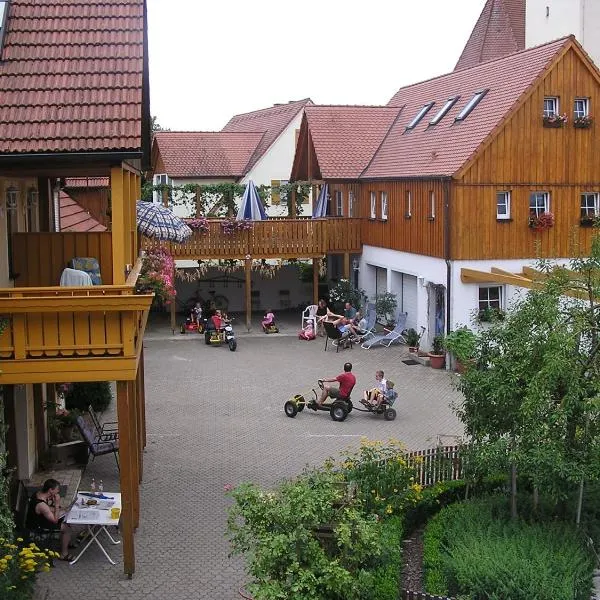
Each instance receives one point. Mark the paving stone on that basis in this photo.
(215, 418)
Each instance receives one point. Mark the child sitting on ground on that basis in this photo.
(308, 332)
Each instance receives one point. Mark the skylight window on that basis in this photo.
(440, 115)
(471, 104)
(420, 115)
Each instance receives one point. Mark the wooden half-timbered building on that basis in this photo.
(479, 173)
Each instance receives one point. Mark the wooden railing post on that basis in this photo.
(316, 262)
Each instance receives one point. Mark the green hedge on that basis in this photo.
(474, 548)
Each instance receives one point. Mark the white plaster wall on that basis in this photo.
(276, 163)
(184, 211)
(578, 17)
(465, 296)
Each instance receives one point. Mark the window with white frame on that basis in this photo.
(431, 205)
(408, 205)
(490, 298)
(581, 108)
(550, 106)
(373, 213)
(351, 203)
(339, 203)
(160, 179)
(589, 205)
(539, 203)
(384, 205)
(502, 205)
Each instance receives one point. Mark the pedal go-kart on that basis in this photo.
(272, 328)
(192, 326)
(338, 409)
(223, 335)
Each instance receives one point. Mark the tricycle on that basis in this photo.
(338, 409)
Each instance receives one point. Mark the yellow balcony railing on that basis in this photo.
(58, 334)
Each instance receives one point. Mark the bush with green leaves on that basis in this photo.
(343, 291)
(278, 531)
(473, 548)
(83, 394)
(385, 307)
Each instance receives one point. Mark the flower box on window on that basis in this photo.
(589, 222)
(554, 120)
(583, 122)
(541, 222)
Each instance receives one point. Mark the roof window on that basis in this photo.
(471, 104)
(419, 116)
(447, 106)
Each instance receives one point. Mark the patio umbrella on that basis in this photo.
(321, 208)
(157, 221)
(251, 207)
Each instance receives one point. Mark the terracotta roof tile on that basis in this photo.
(443, 148)
(499, 31)
(271, 120)
(74, 218)
(71, 76)
(206, 153)
(346, 137)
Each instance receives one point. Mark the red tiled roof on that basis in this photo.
(74, 218)
(71, 76)
(206, 153)
(271, 120)
(499, 31)
(87, 182)
(442, 149)
(346, 137)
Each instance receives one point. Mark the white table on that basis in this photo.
(96, 519)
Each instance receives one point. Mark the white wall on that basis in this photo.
(565, 17)
(185, 211)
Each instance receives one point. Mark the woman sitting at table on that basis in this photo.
(43, 512)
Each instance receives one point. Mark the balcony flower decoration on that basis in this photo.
(555, 120)
(200, 224)
(583, 122)
(157, 275)
(590, 221)
(541, 222)
(231, 226)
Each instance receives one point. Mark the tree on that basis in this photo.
(531, 401)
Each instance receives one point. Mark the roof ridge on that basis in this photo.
(164, 131)
(258, 110)
(487, 63)
(348, 106)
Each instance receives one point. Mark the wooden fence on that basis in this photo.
(443, 463)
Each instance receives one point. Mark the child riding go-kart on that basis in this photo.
(219, 331)
(339, 408)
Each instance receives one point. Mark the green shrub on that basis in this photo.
(81, 395)
(473, 548)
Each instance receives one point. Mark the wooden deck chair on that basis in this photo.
(393, 336)
(338, 338)
(98, 444)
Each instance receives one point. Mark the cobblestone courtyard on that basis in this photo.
(215, 417)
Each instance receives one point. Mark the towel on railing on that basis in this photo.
(75, 278)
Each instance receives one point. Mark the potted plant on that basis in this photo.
(489, 315)
(461, 344)
(555, 120)
(412, 339)
(385, 308)
(589, 221)
(437, 356)
(583, 122)
(541, 222)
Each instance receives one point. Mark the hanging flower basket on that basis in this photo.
(583, 122)
(554, 121)
(541, 222)
(200, 224)
(231, 226)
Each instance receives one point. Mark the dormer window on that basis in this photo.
(471, 104)
(447, 106)
(419, 116)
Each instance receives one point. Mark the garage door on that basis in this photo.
(380, 280)
(408, 303)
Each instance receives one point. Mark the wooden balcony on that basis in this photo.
(67, 334)
(273, 238)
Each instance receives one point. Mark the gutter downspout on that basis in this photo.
(447, 246)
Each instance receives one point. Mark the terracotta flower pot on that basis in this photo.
(436, 361)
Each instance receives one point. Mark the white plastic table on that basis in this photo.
(97, 518)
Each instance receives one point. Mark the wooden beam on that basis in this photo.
(126, 477)
(118, 224)
(474, 276)
(173, 316)
(509, 274)
(135, 453)
(248, 274)
(346, 265)
(316, 262)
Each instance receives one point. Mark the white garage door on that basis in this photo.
(408, 299)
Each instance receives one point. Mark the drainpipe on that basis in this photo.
(447, 250)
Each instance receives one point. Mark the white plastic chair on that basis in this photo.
(309, 314)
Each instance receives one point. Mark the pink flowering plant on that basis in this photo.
(231, 226)
(541, 222)
(158, 276)
(555, 120)
(199, 224)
